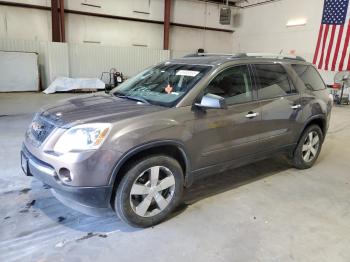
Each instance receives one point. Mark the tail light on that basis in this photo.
(336, 86)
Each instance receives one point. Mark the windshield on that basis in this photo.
(162, 85)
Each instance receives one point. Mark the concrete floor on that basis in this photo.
(267, 211)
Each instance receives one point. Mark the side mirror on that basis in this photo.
(212, 101)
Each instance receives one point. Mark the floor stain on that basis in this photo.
(90, 235)
(61, 219)
(87, 236)
(25, 190)
(30, 204)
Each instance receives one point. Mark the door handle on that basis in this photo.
(296, 107)
(251, 115)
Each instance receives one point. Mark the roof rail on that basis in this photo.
(209, 54)
(256, 55)
(275, 56)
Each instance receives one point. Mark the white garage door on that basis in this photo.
(18, 71)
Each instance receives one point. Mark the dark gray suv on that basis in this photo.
(135, 149)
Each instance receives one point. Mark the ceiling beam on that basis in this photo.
(166, 35)
(55, 22)
(62, 22)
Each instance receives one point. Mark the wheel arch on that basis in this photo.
(319, 120)
(171, 148)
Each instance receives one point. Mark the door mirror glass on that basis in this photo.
(212, 101)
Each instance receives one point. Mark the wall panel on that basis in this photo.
(89, 60)
(85, 60)
(23, 23)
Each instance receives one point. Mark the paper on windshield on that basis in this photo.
(187, 73)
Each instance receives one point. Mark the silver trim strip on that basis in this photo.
(41, 168)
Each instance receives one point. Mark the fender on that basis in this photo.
(148, 145)
(307, 122)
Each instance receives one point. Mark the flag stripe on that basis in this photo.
(325, 35)
(333, 47)
(330, 46)
(348, 64)
(318, 44)
(332, 50)
(345, 47)
(337, 47)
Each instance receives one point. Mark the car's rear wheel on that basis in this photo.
(308, 148)
(149, 191)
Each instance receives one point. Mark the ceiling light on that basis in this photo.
(297, 22)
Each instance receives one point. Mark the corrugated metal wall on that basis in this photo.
(85, 60)
(178, 54)
(58, 60)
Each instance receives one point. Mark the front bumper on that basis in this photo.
(88, 200)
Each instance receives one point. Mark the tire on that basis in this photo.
(300, 159)
(141, 201)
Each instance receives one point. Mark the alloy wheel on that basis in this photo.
(152, 191)
(310, 146)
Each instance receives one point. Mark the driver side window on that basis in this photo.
(233, 84)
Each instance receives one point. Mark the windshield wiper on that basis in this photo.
(135, 98)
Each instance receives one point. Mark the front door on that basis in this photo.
(222, 135)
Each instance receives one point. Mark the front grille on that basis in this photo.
(39, 130)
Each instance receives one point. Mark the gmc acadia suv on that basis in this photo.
(135, 149)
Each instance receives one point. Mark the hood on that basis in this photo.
(95, 108)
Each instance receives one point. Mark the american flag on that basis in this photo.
(332, 49)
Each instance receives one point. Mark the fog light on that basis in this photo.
(64, 175)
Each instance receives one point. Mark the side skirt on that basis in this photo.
(219, 168)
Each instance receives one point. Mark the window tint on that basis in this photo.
(310, 77)
(273, 81)
(233, 84)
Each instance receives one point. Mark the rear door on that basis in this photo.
(280, 103)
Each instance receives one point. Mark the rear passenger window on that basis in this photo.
(310, 77)
(273, 81)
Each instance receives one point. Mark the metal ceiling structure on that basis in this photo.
(241, 3)
(223, 2)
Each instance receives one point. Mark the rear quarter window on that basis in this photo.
(310, 77)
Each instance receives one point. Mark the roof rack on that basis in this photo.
(275, 56)
(254, 55)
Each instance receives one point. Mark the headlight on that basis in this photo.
(82, 137)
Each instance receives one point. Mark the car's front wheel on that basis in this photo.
(308, 148)
(149, 191)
